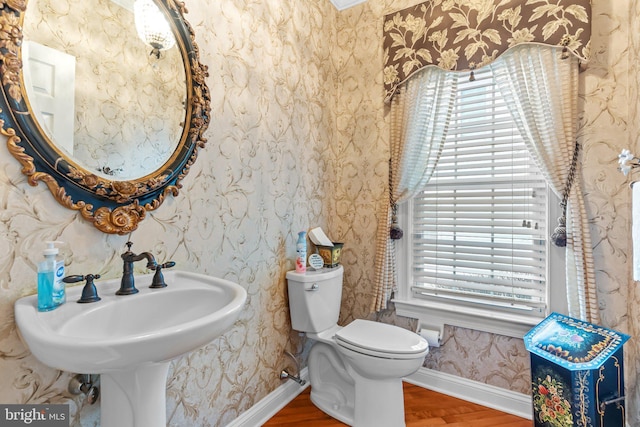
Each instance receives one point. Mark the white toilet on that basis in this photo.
(355, 371)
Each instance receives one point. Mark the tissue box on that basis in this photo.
(331, 254)
(577, 373)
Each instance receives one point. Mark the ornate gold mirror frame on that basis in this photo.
(114, 207)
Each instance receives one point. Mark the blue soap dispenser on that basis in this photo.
(51, 288)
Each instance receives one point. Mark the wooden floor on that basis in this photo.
(423, 408)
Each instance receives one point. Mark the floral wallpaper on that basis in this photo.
(298, 139)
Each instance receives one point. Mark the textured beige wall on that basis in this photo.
(633, 142)
(298, 138)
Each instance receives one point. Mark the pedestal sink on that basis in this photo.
(130, 340)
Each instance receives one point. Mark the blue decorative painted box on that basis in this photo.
(577, 375)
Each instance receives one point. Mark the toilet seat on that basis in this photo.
(381, 340)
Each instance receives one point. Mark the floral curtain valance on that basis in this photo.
(467, 34)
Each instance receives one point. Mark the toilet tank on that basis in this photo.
(314, 299)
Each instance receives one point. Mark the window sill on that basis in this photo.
(435, 315)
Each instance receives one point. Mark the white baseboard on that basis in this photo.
(494, 397)
(472, 391)
(269, 405)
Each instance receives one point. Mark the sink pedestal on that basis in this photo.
(135, 398)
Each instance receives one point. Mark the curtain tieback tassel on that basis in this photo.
(395, 233)
(559, 236)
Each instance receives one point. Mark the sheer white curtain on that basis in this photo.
(540, 85)
(420, 114)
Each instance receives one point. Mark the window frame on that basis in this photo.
(434, 314)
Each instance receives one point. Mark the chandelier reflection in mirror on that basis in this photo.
(152, 26)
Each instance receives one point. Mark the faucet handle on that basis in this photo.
(73, 279)
(158, 277)
(89, 292)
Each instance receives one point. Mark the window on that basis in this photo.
(477, 235)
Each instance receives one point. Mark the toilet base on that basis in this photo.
(333, 408)
(332, 388)
(379, 403)
(338, 390)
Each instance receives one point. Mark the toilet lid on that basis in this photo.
(380, 338)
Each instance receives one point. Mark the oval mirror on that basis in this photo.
(109, 123)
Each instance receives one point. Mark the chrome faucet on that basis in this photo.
(127, 285)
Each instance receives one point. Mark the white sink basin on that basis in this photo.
(131, 335)
(154, 325)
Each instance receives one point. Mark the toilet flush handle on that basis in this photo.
(313, 287)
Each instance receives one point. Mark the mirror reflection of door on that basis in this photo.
(49, 77)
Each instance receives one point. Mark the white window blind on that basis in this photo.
(479, 228)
